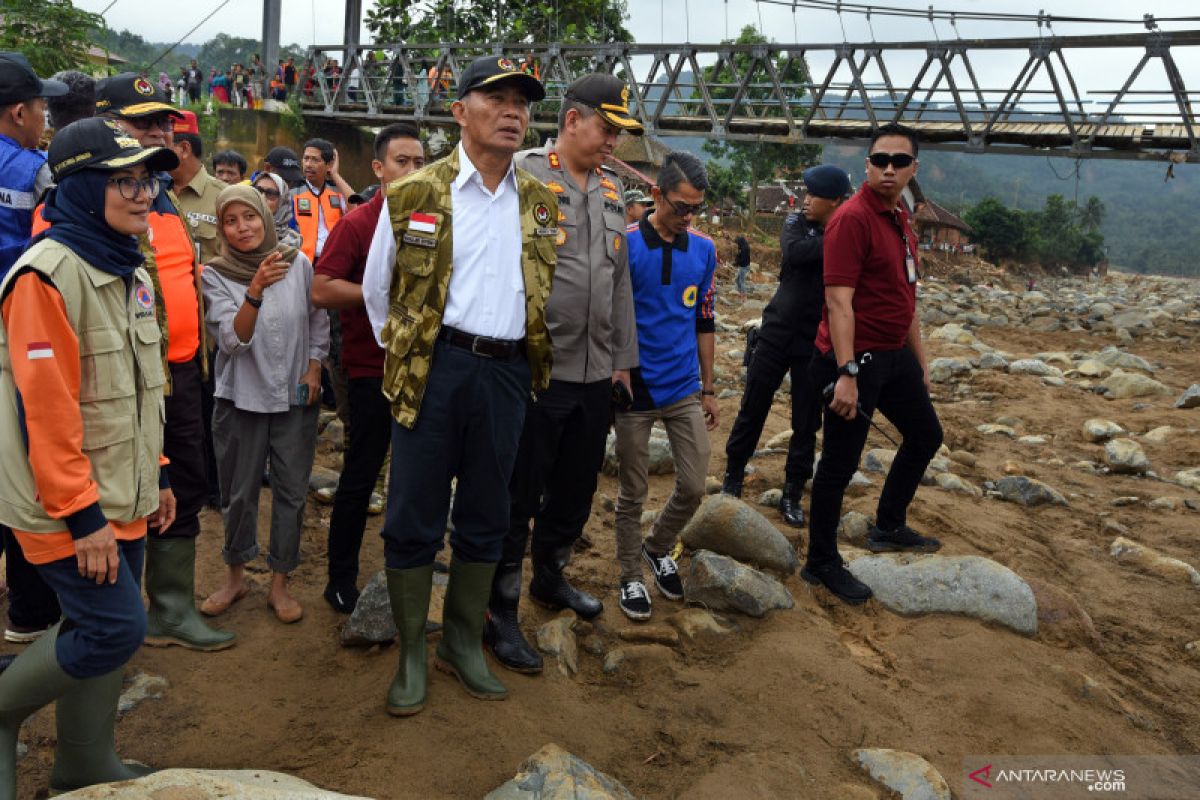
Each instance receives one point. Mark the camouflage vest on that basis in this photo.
(421, 280)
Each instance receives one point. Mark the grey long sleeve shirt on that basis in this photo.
(590, 312)
(262, 374)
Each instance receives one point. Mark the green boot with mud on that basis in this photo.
(409, 591)
(172, 618)
(460, 652)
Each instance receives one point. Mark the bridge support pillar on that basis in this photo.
(351, 34)
(272, 14)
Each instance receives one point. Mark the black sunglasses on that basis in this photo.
(898, 160)
(684, 209)
(272, 193)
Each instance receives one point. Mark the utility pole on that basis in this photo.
(272, 14)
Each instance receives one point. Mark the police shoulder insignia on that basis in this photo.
(607, 184)
(617, 243)
(555, 163)
(555, 187)
(561, 239)
(612, 196)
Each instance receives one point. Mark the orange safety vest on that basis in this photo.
(304, 209)
(174, 258)
(39, 221)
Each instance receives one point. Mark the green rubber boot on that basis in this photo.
(33, 680)
(171, 586)
(86, 753)
(409, 590)
(460, 653)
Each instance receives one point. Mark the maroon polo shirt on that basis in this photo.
(864, 248)
(345, 258)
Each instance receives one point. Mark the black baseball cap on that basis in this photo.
(98, 143)
(18, 81)
(130, 95)
(609, 96)
(493, 69)
(286, 164)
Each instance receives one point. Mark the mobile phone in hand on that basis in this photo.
(302, 394)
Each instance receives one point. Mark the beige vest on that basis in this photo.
(120, 392)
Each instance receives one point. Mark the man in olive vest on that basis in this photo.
(460, 312)
(590, 316)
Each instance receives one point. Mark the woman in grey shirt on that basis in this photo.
(270, 345)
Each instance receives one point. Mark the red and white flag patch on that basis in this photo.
(37, 350)
(422, 223)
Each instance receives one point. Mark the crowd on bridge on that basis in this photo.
(486, 318)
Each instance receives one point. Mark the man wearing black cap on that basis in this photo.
(785, 342)
(173, 261)
(23, 171)
(284, 162)
(590, 317)
(24, 176)
(463, 326)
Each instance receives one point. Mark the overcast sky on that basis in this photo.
(708, 21)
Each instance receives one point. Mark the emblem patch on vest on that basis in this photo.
(541, 214)
(145, 297)
(555, 163)
(303, 206)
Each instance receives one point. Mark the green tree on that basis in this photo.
(756, 162)
(1002, 232)
(724, 187)
(53, 34)
(479, 21)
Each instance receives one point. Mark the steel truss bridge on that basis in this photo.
(1050, 98)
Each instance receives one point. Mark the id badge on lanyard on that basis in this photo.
(910, 263)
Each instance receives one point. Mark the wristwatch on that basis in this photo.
(255, 302)
(850, 368)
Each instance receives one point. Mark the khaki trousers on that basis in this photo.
(684, 421)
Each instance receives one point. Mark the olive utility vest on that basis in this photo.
(421, 279)
(120, 391)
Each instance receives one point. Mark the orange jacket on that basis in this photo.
(305, 207)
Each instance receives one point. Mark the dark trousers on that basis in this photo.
(183, 445)
(763, 378)
(31, 603)
(468, 428)
(368, 446)
(104, 623)
(892, 382)
(207, 388)
(558, 462)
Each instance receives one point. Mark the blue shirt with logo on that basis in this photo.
(673, 293)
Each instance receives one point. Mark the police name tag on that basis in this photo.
(546, 231)
(419, 241)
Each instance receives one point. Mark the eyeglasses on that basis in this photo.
(898, 160)
(132, 188)
(265, 192)
(162, 122)
(684, 209)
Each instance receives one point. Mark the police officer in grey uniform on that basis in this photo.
(591, 323)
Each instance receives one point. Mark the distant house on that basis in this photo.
(780, 197)
(936, 226)
(104, 63)
(637, 159)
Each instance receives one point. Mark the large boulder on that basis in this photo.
(726, 525)
(721, 583)
(209, 784)
(1101, 430)
(942, 370)
(969, 585)
(661, 461)
(1117, 358)
(1028, 492)
(1033, 366)
(908, 775)
(554, 774)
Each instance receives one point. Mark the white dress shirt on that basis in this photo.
(487, 285)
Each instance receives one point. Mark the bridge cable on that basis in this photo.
(840, 6)
(164, 53)
(869, 25)
(933, 25)
(842, 23)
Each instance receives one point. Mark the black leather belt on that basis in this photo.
(506, 349)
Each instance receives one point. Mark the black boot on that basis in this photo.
(789, 504)
(549, 588)
(501, 631)
(732, 485)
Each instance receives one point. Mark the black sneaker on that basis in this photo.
(732, 485)
(839, 581)
(635, 600)
(903, 538)
(666, 574)
(343, 599)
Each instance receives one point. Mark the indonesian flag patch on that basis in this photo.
(422, 223)
(37, 350)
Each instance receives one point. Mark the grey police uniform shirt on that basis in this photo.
(590, 312)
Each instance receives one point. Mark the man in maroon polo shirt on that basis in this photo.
(337, 284)
(872, 357)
